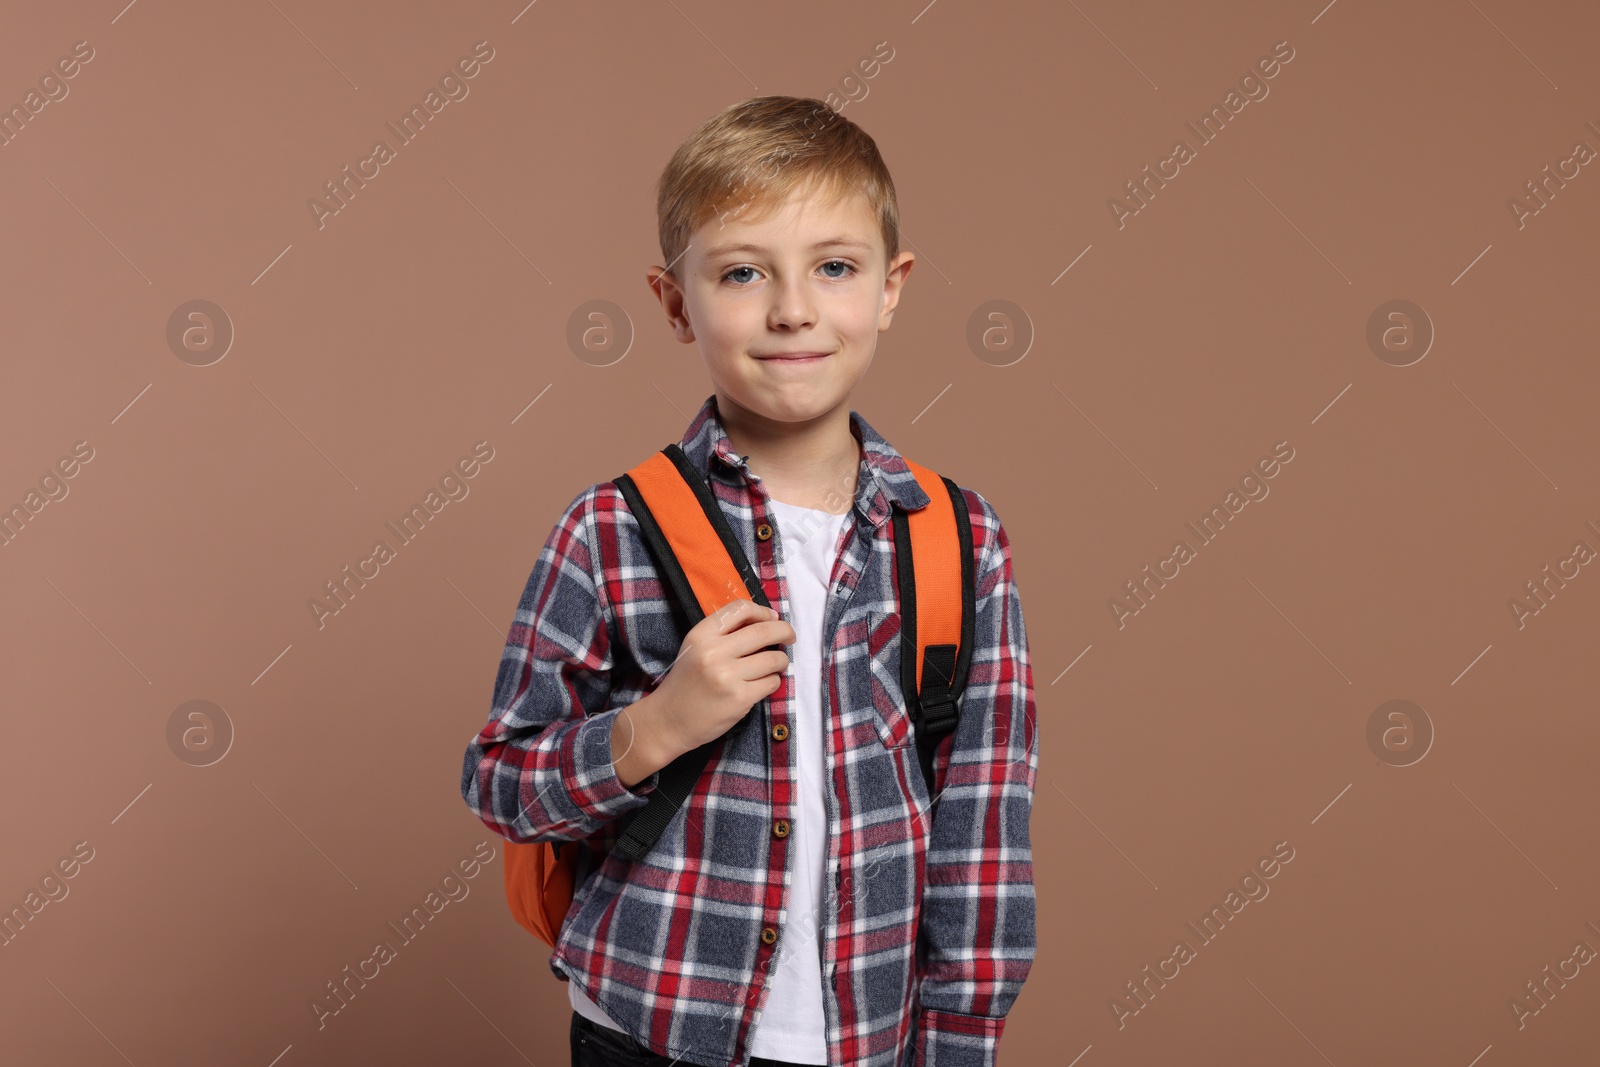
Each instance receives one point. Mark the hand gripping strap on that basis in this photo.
(700, 561)
(699, 558)
(934, 573)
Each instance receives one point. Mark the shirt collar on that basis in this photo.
(884, 476)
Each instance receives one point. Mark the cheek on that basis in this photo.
(860, 317)
(731, 323)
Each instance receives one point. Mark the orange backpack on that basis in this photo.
(699, 558)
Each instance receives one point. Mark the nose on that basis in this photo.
(792, 306)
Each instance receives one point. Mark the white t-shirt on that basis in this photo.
(793, 1024)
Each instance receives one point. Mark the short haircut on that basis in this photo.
(751, 156)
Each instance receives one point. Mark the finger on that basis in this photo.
(764, 665)
(750, 639)
(736, 613)
(743, 613)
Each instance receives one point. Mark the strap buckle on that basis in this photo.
(938, 713)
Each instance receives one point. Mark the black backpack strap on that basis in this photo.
(933, 702)
(678, 778)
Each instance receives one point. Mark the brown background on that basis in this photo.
(1229, 315)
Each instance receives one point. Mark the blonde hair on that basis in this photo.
(753, 155)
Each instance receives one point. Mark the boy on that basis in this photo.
(777, 919)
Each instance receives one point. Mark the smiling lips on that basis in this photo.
(801, 358)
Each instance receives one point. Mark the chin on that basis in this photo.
(788, 405)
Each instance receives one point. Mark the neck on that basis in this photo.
(811, 464)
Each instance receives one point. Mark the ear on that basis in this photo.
(893, 282)
(665, 285)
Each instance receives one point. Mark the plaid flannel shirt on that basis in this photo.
(672, 947)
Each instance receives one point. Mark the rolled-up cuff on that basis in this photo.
(952, 1039)
(591, 776)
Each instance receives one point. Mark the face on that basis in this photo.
(807, 277)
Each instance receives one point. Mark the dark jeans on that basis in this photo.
(594, 1045)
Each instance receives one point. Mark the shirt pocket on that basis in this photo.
(890, 716)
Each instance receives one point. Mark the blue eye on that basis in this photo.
(849, 269)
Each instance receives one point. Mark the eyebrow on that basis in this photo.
(832, 242)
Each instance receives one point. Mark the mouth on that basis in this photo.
(796, 358)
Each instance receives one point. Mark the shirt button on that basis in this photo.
(768, 935)
(763, 532)
(780, 732)
(781, 827)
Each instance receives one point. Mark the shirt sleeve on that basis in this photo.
(541, 770)
(978, 900)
